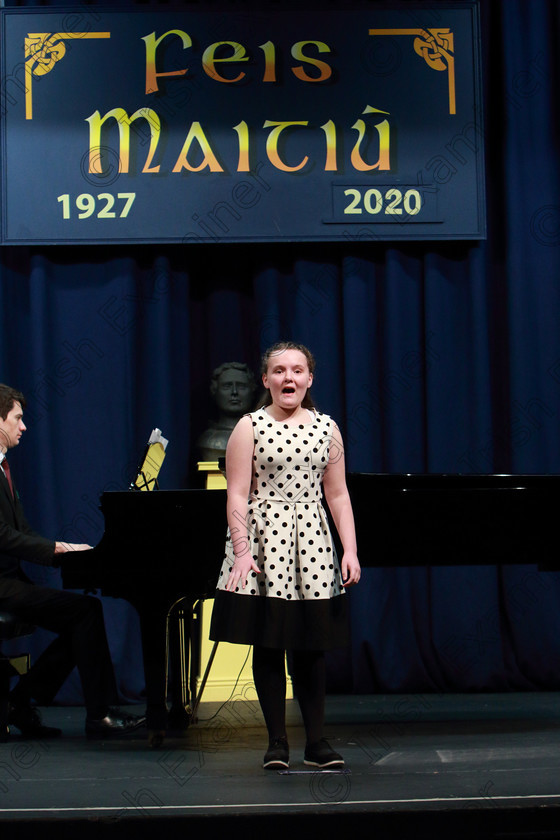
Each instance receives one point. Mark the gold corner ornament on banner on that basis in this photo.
(42, 51)
(435, 46)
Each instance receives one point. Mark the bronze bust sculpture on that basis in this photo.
(233, 390)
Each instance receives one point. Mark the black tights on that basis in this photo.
(308, 673)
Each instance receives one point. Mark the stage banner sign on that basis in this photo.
(183, 126)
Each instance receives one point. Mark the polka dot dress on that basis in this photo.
(297, 599)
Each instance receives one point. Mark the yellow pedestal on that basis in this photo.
(215, 480)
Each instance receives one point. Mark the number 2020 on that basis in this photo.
(374, 202)
(86, 205)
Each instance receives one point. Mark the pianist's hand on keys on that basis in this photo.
(62, 547)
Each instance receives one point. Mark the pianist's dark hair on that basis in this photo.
(9, 396)
(279, 347)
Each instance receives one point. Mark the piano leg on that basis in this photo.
(196, 651)
(179, 638)
(5, 673)
(153, 627)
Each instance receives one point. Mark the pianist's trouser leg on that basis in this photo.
(82, 642)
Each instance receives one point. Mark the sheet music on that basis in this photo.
(153, 459)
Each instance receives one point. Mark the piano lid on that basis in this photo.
(454, 519)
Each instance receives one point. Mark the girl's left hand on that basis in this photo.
(350, 568)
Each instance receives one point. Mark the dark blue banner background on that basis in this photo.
(386, 141)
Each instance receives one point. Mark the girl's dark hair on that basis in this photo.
(280, 347)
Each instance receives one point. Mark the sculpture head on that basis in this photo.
(233, 389)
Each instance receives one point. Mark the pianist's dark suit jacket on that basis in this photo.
(18, 542)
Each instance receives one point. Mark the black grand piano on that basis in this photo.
(166, 546)
(160, 550)
(455, 519)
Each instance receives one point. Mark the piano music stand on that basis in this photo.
(150, 465)
(143, 482)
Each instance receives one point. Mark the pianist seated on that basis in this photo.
(76, 619)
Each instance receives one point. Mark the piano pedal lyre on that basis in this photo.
(183, 640)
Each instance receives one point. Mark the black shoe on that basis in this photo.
(113, 725)
(28, 720)
(321, 755)
(138, 720)
(277, 757)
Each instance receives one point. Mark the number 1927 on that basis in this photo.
(103, 205)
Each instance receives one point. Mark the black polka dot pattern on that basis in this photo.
(287, 524)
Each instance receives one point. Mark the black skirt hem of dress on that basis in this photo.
(276, 623)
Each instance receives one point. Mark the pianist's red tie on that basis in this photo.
(7, 473)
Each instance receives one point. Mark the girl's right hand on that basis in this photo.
(240, 572)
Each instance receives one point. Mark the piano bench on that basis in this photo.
(10, 665)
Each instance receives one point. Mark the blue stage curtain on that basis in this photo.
(433, 358)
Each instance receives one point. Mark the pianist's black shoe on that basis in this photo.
(28, 720)
(115, 724)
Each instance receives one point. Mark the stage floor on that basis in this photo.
(485, 765)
